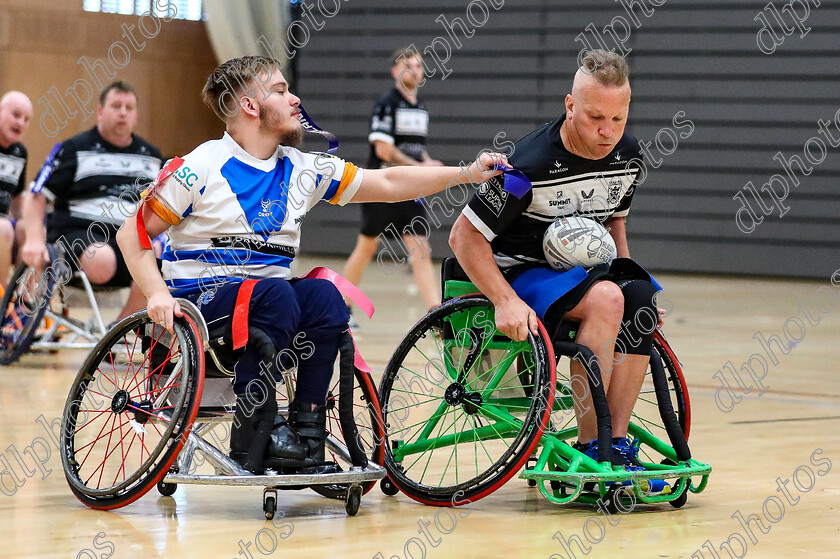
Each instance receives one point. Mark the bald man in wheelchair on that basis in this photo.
(233, 208)
(581, 164)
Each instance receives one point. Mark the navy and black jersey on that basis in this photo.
(88, 174)
(564, 184)
(398, 122)
(12, 174)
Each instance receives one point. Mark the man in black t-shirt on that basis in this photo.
(398, 130)
(582, 164)
(93, 181)
(15, 114)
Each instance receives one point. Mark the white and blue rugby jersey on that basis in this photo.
(234, 216)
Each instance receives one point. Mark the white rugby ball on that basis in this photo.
(577, 241)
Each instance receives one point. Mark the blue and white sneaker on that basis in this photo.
(625, 454)
(628, 452)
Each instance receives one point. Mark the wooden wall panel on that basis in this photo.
(41, 42)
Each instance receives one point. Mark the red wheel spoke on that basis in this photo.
(122, 463)
(147, 412)
(130, 367)
(122, 467)
(107, 454)
(102, 465)
(156, 429)
(105, 374)
(98, 415)
(149, 356)
(102, 436)
(93, 442)
(143, 442)
(157, 390)
(153, 371)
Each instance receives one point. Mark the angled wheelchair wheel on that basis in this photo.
(371, 432)
(130, 411)
(464, 406)
(24, 305)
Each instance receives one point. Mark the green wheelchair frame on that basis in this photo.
(524, 415)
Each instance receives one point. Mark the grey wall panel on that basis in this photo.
(700, 58)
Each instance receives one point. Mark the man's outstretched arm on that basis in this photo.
(396, 184)
(513, 316)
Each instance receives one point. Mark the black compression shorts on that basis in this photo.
(76, 234)
(377, 218)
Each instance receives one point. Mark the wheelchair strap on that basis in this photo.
(164, 174)
(239, 324)
(345, 287)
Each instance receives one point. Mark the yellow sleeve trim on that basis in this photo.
(160, 210)
(346, 180)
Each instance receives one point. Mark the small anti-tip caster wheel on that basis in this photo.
(681, 500)
(353, 500)
(166, 489)
(387, 486)
(619, 493)
(269, 503)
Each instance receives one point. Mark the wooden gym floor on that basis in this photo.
(790, 432)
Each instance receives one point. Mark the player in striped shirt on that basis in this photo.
(233, 208)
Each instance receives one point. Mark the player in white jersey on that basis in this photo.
(233, 208)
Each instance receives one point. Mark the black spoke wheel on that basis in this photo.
(129, 412)
(464, 405)
(24, 304)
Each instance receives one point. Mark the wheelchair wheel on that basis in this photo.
(128, 414)
(645, 414)
(464, 406)
(24, 305)
(371, 433)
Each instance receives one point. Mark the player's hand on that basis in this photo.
(162, 309)
(432, 163)
(515, 319)
(486, 166)
(34, 253)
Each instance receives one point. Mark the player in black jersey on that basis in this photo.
(398, 130)
(93, 181)
(582, 164)
(15, 114)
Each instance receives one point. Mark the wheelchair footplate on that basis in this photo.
(564, 475)
(346, 485)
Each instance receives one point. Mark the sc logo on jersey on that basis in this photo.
(186, 177)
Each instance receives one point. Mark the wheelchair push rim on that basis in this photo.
(126, 417)
(483, 403)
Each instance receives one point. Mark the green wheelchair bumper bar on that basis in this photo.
(560, 463)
